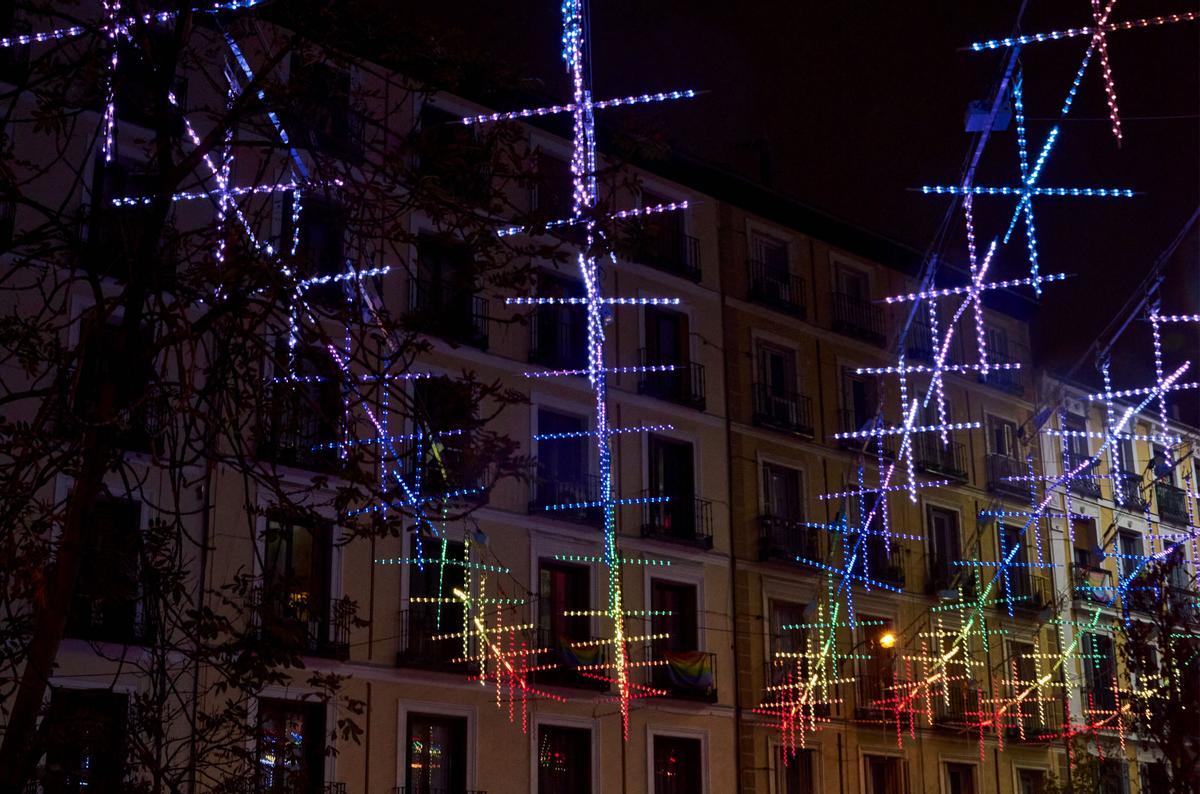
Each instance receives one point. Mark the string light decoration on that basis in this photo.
(576, 56)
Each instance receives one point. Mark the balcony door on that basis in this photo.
(785, 643)
(432, 608)
(675, 610)
(945, 546)
(297, 576)
(672, 475)
(563, 589)
(562, 462)
(436, 754)
(291, 746)
(876, 668)
(1015, 551)
(564, 759)
(108, 592)
(667, 337)
(1001, 437)
(678, 765)
(853, 284)
(860, 399)
(782, 492)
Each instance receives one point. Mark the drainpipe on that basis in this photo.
(733, 646)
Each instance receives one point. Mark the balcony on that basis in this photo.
(1009, 380)
(1172, 503)
(918, 346)
(1000, 468)
(1034, 719)
(687, 521)
(1130, 497)
(557, 340)
(852, 422)
(1098, 702)
(318, 625)
(858, 318)
(577, 663)
(683, 385)
(782, 410)
(785, 539)
(774, 286)
(458, 317)
(422, 642)
(875, 692)
(566, 498)
(931, 455)
(957, 704)
(99, 619)
(1086, 482)
(884, 562)
(943, 574)
(299, 429)
(790, 675)
(1091, 584)
(667, 248)
(686, 675)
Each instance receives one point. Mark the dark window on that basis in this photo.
(672, 475)
(85, 742)
(675, 610)
(138, 85)
(322, 244)
(782, 495)
(297, 571)
(324, 119)
(677, 765)
(1031, 781)
(114, 383)
(1100, 671)
(1014, 550)
(1132, 557)
(777, 369)
(852, 283)
(860, 401)
(553, 188)
(563, 588)
(291, 746)
(561, 459)
(771, 252)
(451, 156)
(107, 604)
(432, 581)
(795, 773)
(437, 754)
(786, 642)
(564, 760)
(876, 672)
(945, 547)
(559, 333)
(445, 412)
(442, 294)
(667, 340)
(115, 234)
(1002, 437)
(960, 778)
(1113, 776)
(885, 774)
(304, 415)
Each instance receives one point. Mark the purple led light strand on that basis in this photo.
(1068, 33)
(551, 110)
(113, 33)
(1053, 192)
(991, 285)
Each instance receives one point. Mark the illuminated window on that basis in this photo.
(291, 746)
(437, 754)
(564, 760)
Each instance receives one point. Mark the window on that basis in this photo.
(885, 774)
(1128, 459)
(997, 344)
(564, 760)
(85, 742)
(795, 773)
(876, 672)
(324, 118)
(659, 240)
(1099, 672)
(138, 83)
(1031, 781)
(1077, 445)
(945, 547)
(1113, 776)
(1024, 670)
(114, 387)
(291, 746)
(442, 295)
(777, 369)
(296, 580)
(852, 284)
(303, 418)
(559, 333)
(445, 411)
(1002, 437)
(771, 252)
(436, 755)
(667, 337)
(451, 156)
(1132, 557)
(427, 618)
(860, 401)
(672, 475)
(677, 765)
(782, 493)
(562, 460)
(785, 643)
(960, 778)
(108, 604)
(322, 249)
(551, 197)
(564, 591)
(115, 233)
(688, 671)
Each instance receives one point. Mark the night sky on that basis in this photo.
(858, 102)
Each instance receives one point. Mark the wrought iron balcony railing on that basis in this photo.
(424, 641)
(685, 384)
(850, 421)
(575, 662)
(1086, 482)
(931, 455)
(774, 286)
(858, 318)
(679, 520)
(786, 539)
(456, 316)
(1131, 497)
(1172, 503)
(1000, 471)
(667, 248)
(782, 410)
(557, 340)
(565, 496)
(316, 623)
